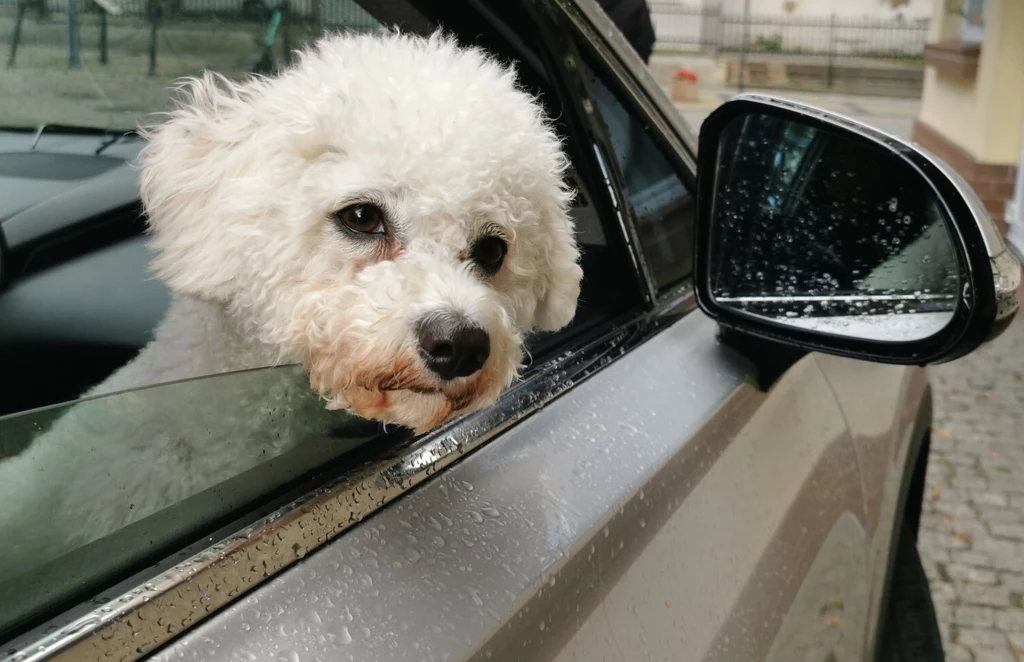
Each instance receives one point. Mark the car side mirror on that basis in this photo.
(828, 235)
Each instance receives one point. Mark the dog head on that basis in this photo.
(390, 212)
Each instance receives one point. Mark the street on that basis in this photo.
(972, 527)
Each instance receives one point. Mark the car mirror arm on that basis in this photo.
(770, 358)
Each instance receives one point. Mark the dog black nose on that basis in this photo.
(452, 346)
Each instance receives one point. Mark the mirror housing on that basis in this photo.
(765, 197)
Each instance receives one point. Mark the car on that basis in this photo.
(721, 458)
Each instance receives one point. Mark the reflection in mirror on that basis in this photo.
(823, 231)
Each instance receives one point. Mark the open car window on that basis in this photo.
(266, 437)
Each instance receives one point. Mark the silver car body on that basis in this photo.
(665, 508)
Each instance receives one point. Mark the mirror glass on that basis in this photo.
(823, 230)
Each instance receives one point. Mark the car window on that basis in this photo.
(262, 434)
(661, 203)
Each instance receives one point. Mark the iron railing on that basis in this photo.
(710, 29)
(285, 23)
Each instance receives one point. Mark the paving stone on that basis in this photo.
(998, 499)
(975, 494)
(1010, 620)
(943, 593)
(996, 514)
(1007, 530)
(955, 653)
(994, 655)
(974, 617)
(1015, 583)
(970, 558)
(966, 573)
(992, 596)
(975, 638)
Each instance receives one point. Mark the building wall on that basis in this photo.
(983, 116)
(977, 125)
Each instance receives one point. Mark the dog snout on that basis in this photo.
(453, 346)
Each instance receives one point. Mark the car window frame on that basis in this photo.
(621, 70)
(132, 617)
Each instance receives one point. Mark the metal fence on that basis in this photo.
(710, 29)
(284, 24)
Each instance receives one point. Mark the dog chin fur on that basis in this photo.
(240, 182)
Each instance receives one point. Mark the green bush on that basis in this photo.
(769, 44)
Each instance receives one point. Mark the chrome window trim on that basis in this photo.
(138, 621)
(618, 57)
(565, 60)
(620, 61)
(625, 219)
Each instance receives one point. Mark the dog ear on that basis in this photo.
(561, 276)
(203, 148)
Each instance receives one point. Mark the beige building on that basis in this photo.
(972, 111)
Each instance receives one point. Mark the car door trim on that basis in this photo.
(564, 59)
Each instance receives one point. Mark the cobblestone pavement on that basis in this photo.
(972, 526)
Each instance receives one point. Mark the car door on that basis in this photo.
(665, 507)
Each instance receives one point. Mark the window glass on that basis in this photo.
(216, 444)
(662, 204)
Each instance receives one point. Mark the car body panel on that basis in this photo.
(888, 412)
(664, 508)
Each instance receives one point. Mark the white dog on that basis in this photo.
(390, 213)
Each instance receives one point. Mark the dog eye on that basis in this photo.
(489, 253)
(361, 218)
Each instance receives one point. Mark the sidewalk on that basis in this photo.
(894, 115)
